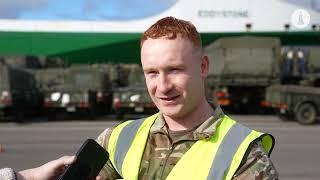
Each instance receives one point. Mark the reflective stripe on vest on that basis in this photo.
(227, 150)
(126, 137)
(218, 157)
(125, 148)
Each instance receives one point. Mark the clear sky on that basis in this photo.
(97, 9)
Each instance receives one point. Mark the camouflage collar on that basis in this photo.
(203, 131)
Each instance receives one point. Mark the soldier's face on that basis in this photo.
(174, 74)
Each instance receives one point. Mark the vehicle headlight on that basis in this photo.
(5, 94)
(55, 96)
(65, 99)
(124, 96)
(135, 98)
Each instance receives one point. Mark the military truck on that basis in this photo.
(295, 102)
(86, 89)
(133, 98)
(240, 70)
(300, 102)
(18, 93)
(48, 78)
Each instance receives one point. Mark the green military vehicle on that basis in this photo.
(240, 70)
(295, 102)
(86, 89)
(133, 98)
(300, 102)
(18, 93)
(49, 78)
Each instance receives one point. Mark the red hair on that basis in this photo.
(170, 28)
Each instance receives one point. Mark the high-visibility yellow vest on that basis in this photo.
(217, 157)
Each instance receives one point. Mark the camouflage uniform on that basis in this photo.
(164, 148)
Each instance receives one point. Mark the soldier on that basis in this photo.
(187, 139)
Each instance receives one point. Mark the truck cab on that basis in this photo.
(18, 93)
(86, 89)
(240, 70)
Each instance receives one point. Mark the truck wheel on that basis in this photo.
(306, 114)
(51, 115)
(19, 114)
(92, 113)
(2, 115)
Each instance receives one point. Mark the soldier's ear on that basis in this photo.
(204, 66)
